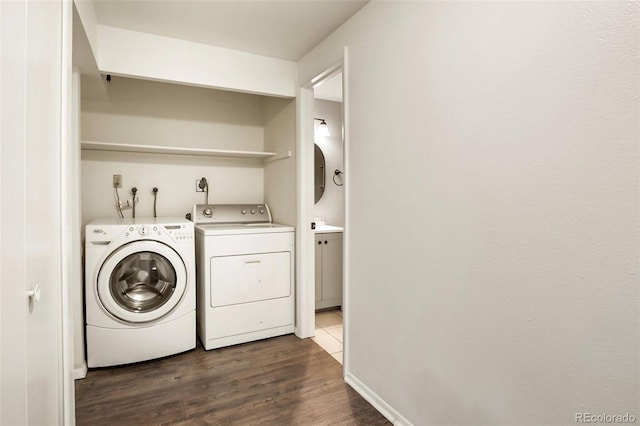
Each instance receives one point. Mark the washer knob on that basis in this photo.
(261, 211)
(253, 212)
(143, 230)
(244, 211)
(207, 212)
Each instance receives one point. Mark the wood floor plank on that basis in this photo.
(283, 381)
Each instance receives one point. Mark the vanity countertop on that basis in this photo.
(325, 229)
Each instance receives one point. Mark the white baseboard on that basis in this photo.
(378, 403)
(80, 372)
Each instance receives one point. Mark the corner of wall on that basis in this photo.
(378, 403)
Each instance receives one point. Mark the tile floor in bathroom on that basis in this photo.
(329, 332)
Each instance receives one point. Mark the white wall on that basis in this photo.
(153, 113)
(331, 205)
(86, 13)
(174, 176)
(143, 112)
(154, 57)
(494, 208)
(280, 175)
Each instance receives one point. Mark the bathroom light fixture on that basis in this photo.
(323, 129)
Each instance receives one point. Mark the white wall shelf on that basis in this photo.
(278, 156)
(155, 149)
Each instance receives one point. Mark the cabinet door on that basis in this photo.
(318, 264)
(332, 267)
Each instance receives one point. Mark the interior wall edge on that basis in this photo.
(378, 402)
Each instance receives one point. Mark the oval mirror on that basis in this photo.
(319, 175)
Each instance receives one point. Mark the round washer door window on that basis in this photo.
(142, 281)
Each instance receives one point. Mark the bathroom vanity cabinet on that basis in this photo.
(328, 269)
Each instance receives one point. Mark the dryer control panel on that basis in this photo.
(231, 213)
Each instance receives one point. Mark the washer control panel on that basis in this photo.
(177, 232)
(180, 232)
(102, 232)
(231, 213)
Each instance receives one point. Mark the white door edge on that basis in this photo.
(305, 279)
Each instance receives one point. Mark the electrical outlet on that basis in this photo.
(117, 181)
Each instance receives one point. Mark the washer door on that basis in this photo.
(142, 281)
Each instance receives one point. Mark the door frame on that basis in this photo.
(305, 252)
(70, 266)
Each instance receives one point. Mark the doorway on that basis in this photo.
(305, 236)
(328, 213)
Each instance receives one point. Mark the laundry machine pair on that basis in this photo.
(140, 289)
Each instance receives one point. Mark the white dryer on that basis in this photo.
(140, 291)
(245, 269)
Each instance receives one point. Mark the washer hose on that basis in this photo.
(118, 207)
(133, 191)
(204, 185)
(155, 200)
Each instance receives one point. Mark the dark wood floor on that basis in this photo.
(283, 381)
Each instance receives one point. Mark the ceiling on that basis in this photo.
(280, 29)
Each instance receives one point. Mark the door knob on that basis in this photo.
(34, 294)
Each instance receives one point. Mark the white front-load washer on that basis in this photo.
(140, 289)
